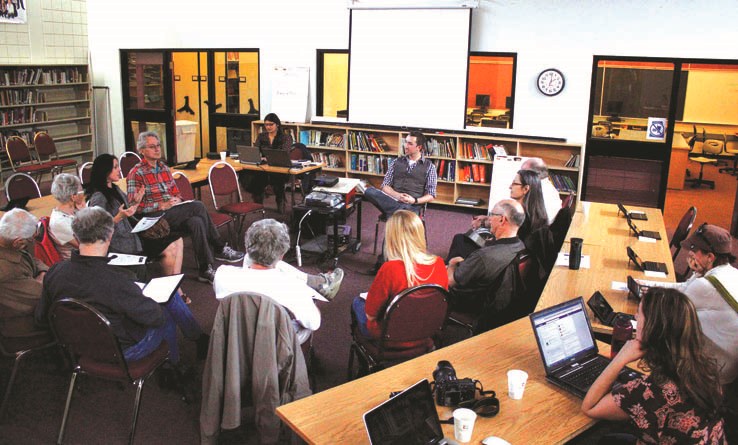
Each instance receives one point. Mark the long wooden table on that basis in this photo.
(546, 414)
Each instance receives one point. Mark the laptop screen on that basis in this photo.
(563, 333)
(408, 418)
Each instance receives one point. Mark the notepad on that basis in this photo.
(145, 223)
(122, 259)
(161, 289)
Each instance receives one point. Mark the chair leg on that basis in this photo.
(11, 380)
(376, 233)
(60, 439)
(349, 374)
(136, 405)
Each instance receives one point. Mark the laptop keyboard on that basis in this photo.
(586, 375)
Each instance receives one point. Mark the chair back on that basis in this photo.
(45, 146)
(87, 336)
(559, 227)
(85, 173)
(127, 161)
(184, 186)
(682, 230)
(416, 313)
(17, 151)
(528, 288)
(44, 248)
(21, 186)
(223, 184)
(568, 202)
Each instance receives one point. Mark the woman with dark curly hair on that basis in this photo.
(679, 401)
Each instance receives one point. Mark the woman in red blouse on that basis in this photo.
(408, 264)
(679, 401)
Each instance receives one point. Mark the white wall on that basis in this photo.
(561, 34)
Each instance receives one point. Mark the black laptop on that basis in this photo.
(279, 158)
(568, 348)
(650, 266)
(632, 214)
(645, 233)
(410, 417)
(602, 310)
(248, 155)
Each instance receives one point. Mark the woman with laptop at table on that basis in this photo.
(275, 138)
(679, 401)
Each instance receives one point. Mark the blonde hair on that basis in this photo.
(404, 237)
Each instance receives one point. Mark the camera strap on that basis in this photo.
(488, 406)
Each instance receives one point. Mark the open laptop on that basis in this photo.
(280, 158)
(632, 214)
(568, 348)
(248, 155)
(410, 417)
(650, 266)
(602, 310)
(645, 233)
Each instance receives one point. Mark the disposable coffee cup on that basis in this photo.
(223, 155)
(516, 380)
(464, 424)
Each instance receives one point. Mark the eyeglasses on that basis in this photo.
(701, 233)
(153, 146)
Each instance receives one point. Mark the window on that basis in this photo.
(490, 92)
(332, 85)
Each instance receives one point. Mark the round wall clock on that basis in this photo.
(551, 81)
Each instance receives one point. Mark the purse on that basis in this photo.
(157, 231)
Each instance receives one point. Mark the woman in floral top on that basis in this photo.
(679, 401)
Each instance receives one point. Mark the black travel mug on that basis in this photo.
(575, 253)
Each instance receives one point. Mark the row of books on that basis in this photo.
(21, 97)
(22, 115)
(41, 76)
(446, 170)
(563, 183)
(362, 141)
(480, 173)
(481, 151)
(331, 160)
(573, 161)
(26, 135)
(321, 138)
(440, 147)
(371, 164)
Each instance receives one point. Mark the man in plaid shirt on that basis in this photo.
(161, 196)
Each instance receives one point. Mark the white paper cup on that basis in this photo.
(516, 380)
(223, 155)
(464, 424)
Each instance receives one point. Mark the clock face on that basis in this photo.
(550, 82)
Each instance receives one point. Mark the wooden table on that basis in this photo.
(606, 236)
(545, 414)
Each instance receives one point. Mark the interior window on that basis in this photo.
(332, 87)
(490, 95)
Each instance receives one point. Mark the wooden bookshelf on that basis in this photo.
(51, 98)
(358, 157)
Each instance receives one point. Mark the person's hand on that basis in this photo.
(478, 221)
(630, 352)
(696, 266)
(124, 212)
(40, 277)
(455, 260)
(407, 199)
(175, 200)
(138, 195)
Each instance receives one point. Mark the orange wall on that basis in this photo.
(493, 78)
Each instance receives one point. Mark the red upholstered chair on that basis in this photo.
(46, 150)
(22, 161)
(85, 173)
(413, 317)
(88, 338)
(21, 186)
(223, 187)
(185, 189)
(127, 161)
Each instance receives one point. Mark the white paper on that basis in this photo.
(181, 202)
(563, 260)
(646, 239)
(344, 186)
(160, 289)
(122, 259)
(145, 223)
(364, 295)
(619, 285)
(654, 274)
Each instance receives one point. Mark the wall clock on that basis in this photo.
(551, 82)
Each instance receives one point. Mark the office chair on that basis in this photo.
(731, 148)
(695, 144)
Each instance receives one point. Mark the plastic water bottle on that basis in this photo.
(622, 331)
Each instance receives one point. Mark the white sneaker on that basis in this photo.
(332, 283)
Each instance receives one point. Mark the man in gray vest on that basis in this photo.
(410, 181)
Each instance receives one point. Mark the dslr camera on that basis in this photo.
(448, 389)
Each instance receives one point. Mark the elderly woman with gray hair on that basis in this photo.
(264, 272)
(67, 189)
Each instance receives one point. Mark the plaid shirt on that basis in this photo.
(158, 183)
(431, 178)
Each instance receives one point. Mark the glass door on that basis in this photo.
(190, 91)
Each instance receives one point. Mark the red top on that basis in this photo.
(391, 280)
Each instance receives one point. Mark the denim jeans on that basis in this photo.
(176, 314)
(358, 307)
(386, 204)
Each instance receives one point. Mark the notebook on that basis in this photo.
(248, 155)
(646, 266)
(645, 233)
(280, 158)
(410, 417)
(635, 214)
(567, 346)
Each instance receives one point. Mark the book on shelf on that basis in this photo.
(563, 183)
(438, 147)
(573, 161)
(466, 201)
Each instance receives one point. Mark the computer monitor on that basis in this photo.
(482, 101)
(614, 109)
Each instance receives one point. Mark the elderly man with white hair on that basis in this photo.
(265, 273)
(21, 274)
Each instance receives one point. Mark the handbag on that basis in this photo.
(157, 231)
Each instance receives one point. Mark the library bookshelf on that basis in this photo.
(55, 99)
(464, 161)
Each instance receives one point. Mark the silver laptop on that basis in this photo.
(248, 155)
(410, 417)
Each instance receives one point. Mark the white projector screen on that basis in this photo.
(409, 67)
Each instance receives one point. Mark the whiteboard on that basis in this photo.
(712, 97)
(290, 93)
(504, 169)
